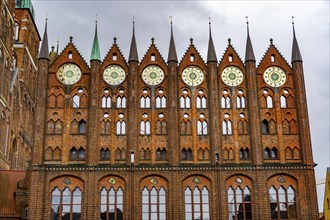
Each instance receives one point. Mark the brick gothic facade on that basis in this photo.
(158, 139)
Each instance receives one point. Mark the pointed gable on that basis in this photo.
(70, 54)
(114, 56)
(230, 58)
(192, 58)
(153, 56)
(273, 57)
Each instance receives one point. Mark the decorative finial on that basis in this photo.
(229, 41)
(209, 20)
(247, 19)
(171, 19)
(96, 19)
(292, 19)
(71, 38)
(133, 20)
(46, 15)
(115, 40)
(271, 41)
(191, 41)
(58, 43)
(152, 41)
(53, 48)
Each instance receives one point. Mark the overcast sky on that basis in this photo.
(268, 19)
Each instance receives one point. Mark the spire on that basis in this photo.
(249, 54)
(44, 50)
(296, 56)
(211, 55)
(95, 54)
(172, 51)
(133, 54)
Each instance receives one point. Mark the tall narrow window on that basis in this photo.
(82, 127)
(106, 102)
(282, 203)
(283, 102)
(197, 203)
(111, 204)
(201, 102)
(66, 205)
(264, 127)
(120, 128)
(186, 154)
(239, 204)
(161, 154)
(145, 102)
(184, 102)
(202, 127)
(227, 127)
(76, 101)
(160, 102)
(269, 102)
(154, 203)
(145, 128)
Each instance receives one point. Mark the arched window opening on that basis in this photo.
(225, 102)
(185, 127)
(161, 154)
(70, 55)
(81, 154)
(282, 203)
(76, 101)
(240, 102)
(16, 33)
(192, 57)
(230, 58)
(244, 153)
(269, 102)
(202, 127)
(272, 58)
(153, 203)
(283, 102)
(186, 154)
(153, 57)
(105, 154)
(82, 127)
(145, 128)
(73, 154)
(111, 204)
(226, 127)
(120, 128)
(121, 102)
(239, 203)
(201, 102)
(106, 102)
(197, 203)
(160, 102)
(264, 127)
(114, 56)
(145, 102)
(184, 102)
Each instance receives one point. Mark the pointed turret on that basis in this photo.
(172, 50)
(211, 55)
(44, 50)
(95, 54)
(296, 56)
(133, 53)
(249, 54)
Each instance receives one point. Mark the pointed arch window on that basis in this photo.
(153, 203)
(120, 154)
(227, 127)
(225, 99)
(197, 205)
(82, 127)
(145, 154)
(76, 101)
(121, 99)
(201, 100)
(239, 203)
(145, 102)
(112, 204)
(186, 154)
(161, 154)
(240, 100)
(104, 154)
(282, 203)
(161, 127)
(66, 204)
(121, 127)
(202, 127)
(265, 127)
(270, 153)
(269, 102)
(145, 128)
(185, 99)
(244, 153)
(160, 102)
(283, 102)
(106, 101)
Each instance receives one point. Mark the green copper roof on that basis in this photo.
(95, 54)
(25, 4)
